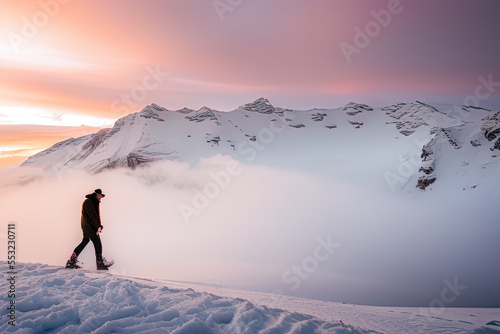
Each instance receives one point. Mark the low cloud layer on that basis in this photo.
(268, 229)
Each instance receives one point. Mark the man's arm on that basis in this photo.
(91, 214)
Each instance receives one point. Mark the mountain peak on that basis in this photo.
(151, 112)
(353, 108)
(260, 105)
(202, 114)
(204, 109)
(185, 110)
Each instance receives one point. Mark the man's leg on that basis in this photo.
(72, 262)
(101, 263)
(81, 246)
(96, 240)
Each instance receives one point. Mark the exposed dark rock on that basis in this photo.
(352, 108)
(318, 117)
(357, 125)
(410, 116)
(451, 135)
(260, 105)
(203, 114)
(491, 126)
(423, 183)
(157, 107)
(213, 140)
(497, 145)
(426, 170)
(475, 143)
(134, 160)
(149, 112)
(185, 110)
(354, 111)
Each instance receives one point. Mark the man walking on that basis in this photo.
(91, 227)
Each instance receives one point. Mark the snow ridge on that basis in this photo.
(410, 116)
(58, 300)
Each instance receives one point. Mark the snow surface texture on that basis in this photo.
(57, 300)
(156, 133)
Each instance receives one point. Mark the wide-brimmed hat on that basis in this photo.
(99, 191)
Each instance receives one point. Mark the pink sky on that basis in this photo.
(84, 56)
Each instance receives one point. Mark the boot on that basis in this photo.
(102, 263)
(72, 263)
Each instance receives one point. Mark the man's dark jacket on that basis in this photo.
(91, 219)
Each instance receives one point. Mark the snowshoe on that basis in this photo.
(72, 263)
(104, 264)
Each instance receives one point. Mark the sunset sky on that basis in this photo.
(68, 68)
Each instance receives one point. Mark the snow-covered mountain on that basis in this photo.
(259, 132)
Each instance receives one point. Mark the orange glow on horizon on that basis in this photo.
(18, 142)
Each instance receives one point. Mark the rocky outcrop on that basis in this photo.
(260, 105)
(491, 125)
(354, 112)
(214, 140)
(488, 132)
(496, 146)
(203, 114)
(431, 152)
(318, 117)
(352, 108)
(185, 110)
(410, 116)
(426, 172)
(150, 113)
(452, 134)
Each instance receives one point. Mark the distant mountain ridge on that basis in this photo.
(156, 133)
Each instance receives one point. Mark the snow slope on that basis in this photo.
(55, 300)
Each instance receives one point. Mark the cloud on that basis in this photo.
(215, 61)
(260, 224)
